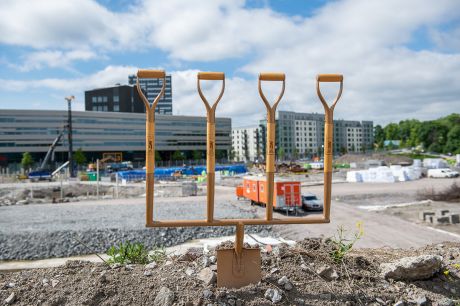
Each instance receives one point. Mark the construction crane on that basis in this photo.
(42, 173)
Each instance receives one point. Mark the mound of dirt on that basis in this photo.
(387, 159)
(301, 275)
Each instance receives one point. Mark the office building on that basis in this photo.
(246, 143)
(120, 98)
(97, 132)
(152, 88)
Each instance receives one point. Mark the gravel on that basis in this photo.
(53, 230)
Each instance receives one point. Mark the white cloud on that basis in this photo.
(55, 59)
(363, 39)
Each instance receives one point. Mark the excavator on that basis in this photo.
(43, 173)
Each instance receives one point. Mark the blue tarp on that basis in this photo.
(192, 170)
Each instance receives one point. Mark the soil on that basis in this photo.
(359, 281)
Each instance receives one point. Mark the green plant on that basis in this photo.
(344, 244)
(27, 160)
(134, 253)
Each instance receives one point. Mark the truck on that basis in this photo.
(442, 173)
(286, 197)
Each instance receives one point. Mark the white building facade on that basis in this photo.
(246, 143)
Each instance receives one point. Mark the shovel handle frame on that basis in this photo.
(150, 135)
(210, 138)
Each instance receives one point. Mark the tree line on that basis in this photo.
(441, 135)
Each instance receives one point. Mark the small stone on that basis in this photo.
(189, 271)
(273, 295)
(299, 301)
(10, 299)
(284, 281)
(151, 265)
(54, 283)
(421, 300)
(191, 254)
(164, 298)
(45, 282)
(446, 302)
(207, 294)
(304, 267)
(213, 267)
(115, 266)
(231, 302)
(10, 285)
(212, 259)
(380, 301)
(274, 270)
(412, 268)
(102, 277)
(206, 261)
(399, 303)
(148, 273)
(129, 267)
(168, 263)
(207, 276)
(327, 273)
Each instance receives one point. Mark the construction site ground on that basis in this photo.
(37, 231)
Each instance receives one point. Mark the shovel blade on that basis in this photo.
(234, 272)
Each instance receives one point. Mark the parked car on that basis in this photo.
(40, 175)
(311, 202)
(444, 172)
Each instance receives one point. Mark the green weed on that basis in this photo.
(344, 244)
(134, 253)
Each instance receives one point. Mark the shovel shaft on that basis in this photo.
(328, 140)
(270, 169)
(239, 239)
(149, 164)
(210, 168)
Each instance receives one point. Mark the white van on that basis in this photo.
(445, 172)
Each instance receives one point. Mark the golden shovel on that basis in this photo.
(150, 136)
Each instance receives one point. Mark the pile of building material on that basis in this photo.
(385, 174)
(440, 217)
(435, 163)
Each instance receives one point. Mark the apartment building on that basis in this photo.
(246, 143)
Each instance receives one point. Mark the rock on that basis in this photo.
(274, 270)
(189, 271)
(284, 281)
(10, 299)
(421, 300)
(399, 303)
(213, 267)
(54, 283)
(207, 275)
(10, 285)
(191, 254)
(380, 301)
(446, 302)
(102, 277)
(151, 265)
(148, 273)
(129, 267)
(231, 302)
(412, 268)
(207, 294)
(328, 273)
(273, 295)
(45, 282)
(212, 259)
(206, 261)
(164, 298)
(115, 266)
(299, 301)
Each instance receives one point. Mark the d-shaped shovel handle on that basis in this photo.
(329, 78)
(211, 138)
(150, 74)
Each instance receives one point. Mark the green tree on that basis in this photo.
(177, 155)
(197, 155)
(79, 157)
(281, 154)
(27, 160)
(392, 131)
(453, 141)
(379, 136)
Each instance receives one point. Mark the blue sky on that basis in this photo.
(398, 57)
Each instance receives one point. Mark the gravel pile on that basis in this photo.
(42, 245)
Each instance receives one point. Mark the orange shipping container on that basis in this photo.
(287, 194)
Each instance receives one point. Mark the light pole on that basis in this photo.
(69, 126)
